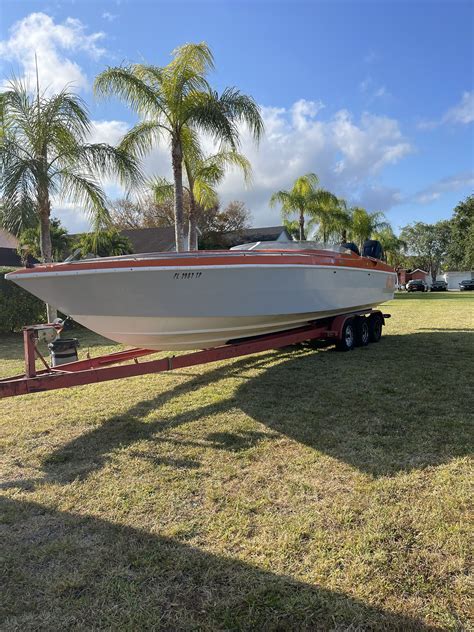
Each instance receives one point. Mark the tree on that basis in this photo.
(292, 227)
(215, 224)
(297, 200)
(177, 102)
(30, 241)
(393, 247)
(43, 152)
(427, 244)
(203, 174)
(343, 221)
(144, 213)
(104, 243)
(16, 219)
(364, 224)
(460, 250)
(328, 213)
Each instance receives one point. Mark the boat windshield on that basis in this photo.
(290, 245)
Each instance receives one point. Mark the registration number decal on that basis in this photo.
(187, 275)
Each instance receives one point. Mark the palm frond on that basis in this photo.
(108, 161)
(205, 195)
(162, 190)
(242, 108)
(88, 194)
(141, 138)
(125, 83)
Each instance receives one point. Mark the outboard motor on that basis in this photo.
(373, 248)
(350, 245)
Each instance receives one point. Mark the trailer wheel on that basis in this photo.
(375, 327)
(362, 332)
(347, 340)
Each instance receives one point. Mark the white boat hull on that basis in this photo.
(180, 307)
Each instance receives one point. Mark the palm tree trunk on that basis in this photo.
(44, 208)
(192, 229)
(302, 236)
(344, 235)
(177, 160)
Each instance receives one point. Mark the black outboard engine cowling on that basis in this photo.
(350, 245)
(373, 248)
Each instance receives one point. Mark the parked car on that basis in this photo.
(417, 285)
(468, 284)
(439, 286)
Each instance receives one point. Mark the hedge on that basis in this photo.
(18, 307)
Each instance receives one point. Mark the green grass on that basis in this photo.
(292, 490)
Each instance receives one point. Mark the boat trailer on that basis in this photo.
(346, 330)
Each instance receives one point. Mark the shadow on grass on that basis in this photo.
(87, 453)
(404, 404)
(64, 570)
(399, 405)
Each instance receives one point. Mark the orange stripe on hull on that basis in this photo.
(267, 257)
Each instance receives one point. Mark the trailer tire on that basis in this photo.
(362, 332)
(375, 327)
(347, 340)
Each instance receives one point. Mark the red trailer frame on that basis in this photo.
(111, 367)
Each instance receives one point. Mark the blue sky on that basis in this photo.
(377, 98)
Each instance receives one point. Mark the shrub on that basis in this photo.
(104, 243)
(18, 307)
(60, 241)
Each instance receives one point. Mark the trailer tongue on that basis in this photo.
(346, 330)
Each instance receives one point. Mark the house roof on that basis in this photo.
(151, 239)
(162, 239)
(7, 240)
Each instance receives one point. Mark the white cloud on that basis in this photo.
(458, 182)
(460, 114)
(463, 112)
(381, 92)
(109, 16)
(54, 43)
(367, 86)
(347, 154)
(110, 132)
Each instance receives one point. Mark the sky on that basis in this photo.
(376, 97)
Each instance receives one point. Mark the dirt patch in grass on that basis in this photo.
(296, 489)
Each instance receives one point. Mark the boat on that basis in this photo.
(203, 299)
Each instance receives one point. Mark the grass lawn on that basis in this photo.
(292, 490)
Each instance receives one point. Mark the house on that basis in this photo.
(453, 278)
(409, 275)
(162, 239)
(151, 239)
(8, 250)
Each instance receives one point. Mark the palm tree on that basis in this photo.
(393, 246)
(365, 224)
(343, 221)
(324, 211)
(298, 200)
(175, 102)
(43, 152)
(29, 241)
(104, 243)
(202, 175)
